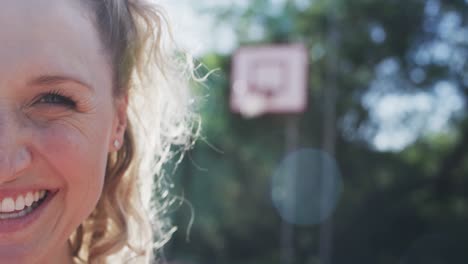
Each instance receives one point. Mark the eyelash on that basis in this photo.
(56, 97)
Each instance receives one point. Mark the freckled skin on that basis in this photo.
(47, 144)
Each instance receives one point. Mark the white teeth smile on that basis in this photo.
(14, 207)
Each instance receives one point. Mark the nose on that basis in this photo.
(12, 163)
(15, 156)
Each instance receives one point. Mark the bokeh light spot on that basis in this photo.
(306, 187)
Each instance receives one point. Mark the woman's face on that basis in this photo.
(57, 124)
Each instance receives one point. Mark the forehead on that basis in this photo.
(56, 36)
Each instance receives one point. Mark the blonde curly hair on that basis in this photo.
(124, 228)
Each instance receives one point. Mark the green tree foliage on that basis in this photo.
(405, 206)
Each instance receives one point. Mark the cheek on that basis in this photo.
(76, 160)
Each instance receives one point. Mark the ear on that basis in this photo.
(119, 124)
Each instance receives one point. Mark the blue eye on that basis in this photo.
(55, 98)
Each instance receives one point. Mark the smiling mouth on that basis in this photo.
(11, 209)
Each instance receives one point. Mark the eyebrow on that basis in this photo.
(46, 80)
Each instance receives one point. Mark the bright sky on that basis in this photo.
(198, 33)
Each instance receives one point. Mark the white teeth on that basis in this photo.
(19, 203)
(29, 199)
(16, 214)
(8, 205)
